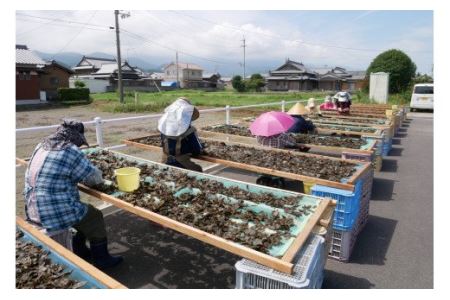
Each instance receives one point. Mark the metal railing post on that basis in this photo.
(227, 115)
(98, 131)
(283, 105)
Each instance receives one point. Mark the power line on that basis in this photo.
(74, 37)
(284, 37)
(65, 25)
(144, 39)
(63, 20)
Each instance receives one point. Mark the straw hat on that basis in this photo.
(298, 109)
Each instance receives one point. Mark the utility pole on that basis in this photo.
(119, 60)
(178, 80)
(243, 45)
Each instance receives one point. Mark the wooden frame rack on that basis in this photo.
(349, 185)
(58, 249)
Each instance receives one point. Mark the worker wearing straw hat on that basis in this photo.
(301, 125)
(179, 139)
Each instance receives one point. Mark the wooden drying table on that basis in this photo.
(322, 217)
(349, 185)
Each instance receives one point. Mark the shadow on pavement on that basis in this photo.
(396, 141)
(405, 126)
(395, 151)
(382, 189)
(389, 165)
(373, 241)
(401, 135)
(402, 130)
(334, 280)
(155, 257)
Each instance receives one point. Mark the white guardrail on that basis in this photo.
(98, 121)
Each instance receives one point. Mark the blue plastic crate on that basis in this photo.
(348, 203)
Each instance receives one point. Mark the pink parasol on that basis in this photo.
(271, 123)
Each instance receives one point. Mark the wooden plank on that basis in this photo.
(359, 173)
(267, 260)
(252, 141)
(326, 217)
(62, 251)
(301, 238)
(257, 169)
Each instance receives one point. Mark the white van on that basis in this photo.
(422, 97)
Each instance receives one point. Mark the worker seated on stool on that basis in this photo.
(343, 101)
(179, 139)
(298, 111)
(52, 200)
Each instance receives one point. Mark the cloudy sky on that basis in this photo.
(213, 39)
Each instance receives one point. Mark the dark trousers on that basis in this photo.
(92, 226)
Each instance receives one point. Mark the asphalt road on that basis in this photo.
(395, 250)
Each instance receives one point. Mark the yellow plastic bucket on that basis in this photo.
(394, 107)
(307, 187)
(127, 178)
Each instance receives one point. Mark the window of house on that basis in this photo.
(21, 76)
(54, 80)
(27, 76)
(192, 73)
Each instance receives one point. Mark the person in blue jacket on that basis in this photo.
(301, 125)
(179, 139)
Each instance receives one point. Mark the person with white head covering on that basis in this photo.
(179, 139)
(312, 107)
(343, 101)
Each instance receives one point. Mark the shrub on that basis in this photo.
(238, 84)
(400, 67)
(79, 84)
(70, 94)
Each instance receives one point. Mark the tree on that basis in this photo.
(422, 78)
(238, 84)
(400, 67)
(255, 83)
(79, 84)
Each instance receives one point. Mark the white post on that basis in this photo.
(98, 131)
(283, 105)
(135, 98)
(227, 118)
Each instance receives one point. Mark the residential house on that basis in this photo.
(189, 75)
(89, 64)
(292, 76)
(105, 79)
(213, 81)
(54, 75)
(28, 68)
(337, 78)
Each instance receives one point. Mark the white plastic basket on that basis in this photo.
(309, 263)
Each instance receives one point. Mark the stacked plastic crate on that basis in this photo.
(350, 215)
(308, 270)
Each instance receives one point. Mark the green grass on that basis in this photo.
(156, 102)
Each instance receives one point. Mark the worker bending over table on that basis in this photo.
(298, 111)
(179, 138)
(343, 101)
(52, 199)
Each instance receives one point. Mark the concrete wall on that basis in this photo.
(379, 87)
(94, 85)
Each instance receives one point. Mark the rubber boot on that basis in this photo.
(101, 257)
(79, 246)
